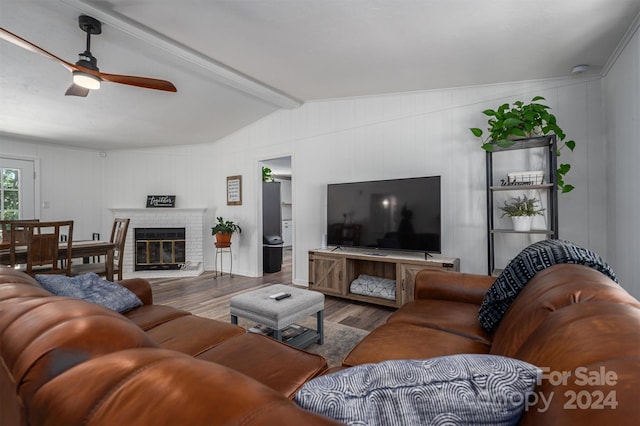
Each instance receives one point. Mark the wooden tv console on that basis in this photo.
(332, 271)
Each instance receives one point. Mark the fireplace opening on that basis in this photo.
(159, 248)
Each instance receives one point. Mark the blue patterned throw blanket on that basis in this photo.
(524, 266)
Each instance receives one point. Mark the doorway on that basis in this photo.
(17, 189)
(282, 221)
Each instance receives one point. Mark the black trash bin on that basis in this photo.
(272, 253)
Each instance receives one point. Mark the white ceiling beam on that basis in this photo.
(219, 72)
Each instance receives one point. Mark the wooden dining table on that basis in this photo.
(81, 248)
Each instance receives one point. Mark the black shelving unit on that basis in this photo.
(549, 144)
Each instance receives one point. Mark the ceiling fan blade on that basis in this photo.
(25, 44)
(146, 82)
(75, 90)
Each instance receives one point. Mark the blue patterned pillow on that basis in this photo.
(456, 389)
(524, 266)
(92, 288)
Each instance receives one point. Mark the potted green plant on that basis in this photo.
(521, 210)
(520, 120)
(223, 231)
(267, 174)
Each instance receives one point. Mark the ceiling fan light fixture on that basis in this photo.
(86, 80)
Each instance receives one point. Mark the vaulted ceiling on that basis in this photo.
(235, 61)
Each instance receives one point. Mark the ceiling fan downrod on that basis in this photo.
(90, 26)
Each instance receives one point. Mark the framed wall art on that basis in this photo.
(234, 190)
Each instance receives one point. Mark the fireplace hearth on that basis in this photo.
(159, 248)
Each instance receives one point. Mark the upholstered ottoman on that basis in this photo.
(258, 306)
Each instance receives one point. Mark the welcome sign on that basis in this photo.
(155, 201)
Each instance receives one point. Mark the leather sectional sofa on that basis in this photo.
(572, 321)
(65, 361)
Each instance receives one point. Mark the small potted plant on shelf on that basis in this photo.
(223, 231)
(521, 210)
(520, 120)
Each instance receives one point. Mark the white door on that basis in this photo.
(17, 189)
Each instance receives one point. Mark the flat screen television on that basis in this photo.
(397, 214)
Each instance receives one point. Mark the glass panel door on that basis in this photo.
(17, 189)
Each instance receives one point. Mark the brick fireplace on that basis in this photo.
(162, 244)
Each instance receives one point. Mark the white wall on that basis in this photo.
(380, 137)
(196, 174)
(622, 102)
(426, 133)
(69, 180)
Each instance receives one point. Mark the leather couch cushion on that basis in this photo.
(192, 335)
(452, 286)
(547, 294)
(398, 340)
(564, 342)
(279, 366)
(17, 284)
(454, 317)
(456, 389)
(158, 387)
(148, 316)
(524, 266)
(44, 337)
(9, 291)
(10, 275)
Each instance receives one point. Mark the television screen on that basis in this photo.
(398, 214)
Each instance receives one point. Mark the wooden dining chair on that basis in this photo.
(13, 234)
(118, 237)
(7, 228)
(44, 244)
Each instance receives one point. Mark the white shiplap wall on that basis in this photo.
(426, 133)
(378, 137)
(622, 103)
(69, 180)
(381, 137)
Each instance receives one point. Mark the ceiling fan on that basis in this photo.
(86, 75)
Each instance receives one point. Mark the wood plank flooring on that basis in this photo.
(206, 293)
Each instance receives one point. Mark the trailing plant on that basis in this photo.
(225, 227)
(521, 206)
(267, 175)
(521, 120)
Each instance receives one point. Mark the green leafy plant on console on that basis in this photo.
(520, 120)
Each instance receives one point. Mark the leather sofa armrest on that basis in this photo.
(453, 286)
(140, 287)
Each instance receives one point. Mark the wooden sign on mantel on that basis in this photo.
(157, 201)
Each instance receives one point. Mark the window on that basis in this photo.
(9, 193)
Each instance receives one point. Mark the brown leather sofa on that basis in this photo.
(65, 361)
(570, 320)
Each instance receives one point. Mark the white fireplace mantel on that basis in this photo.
(192, 219)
